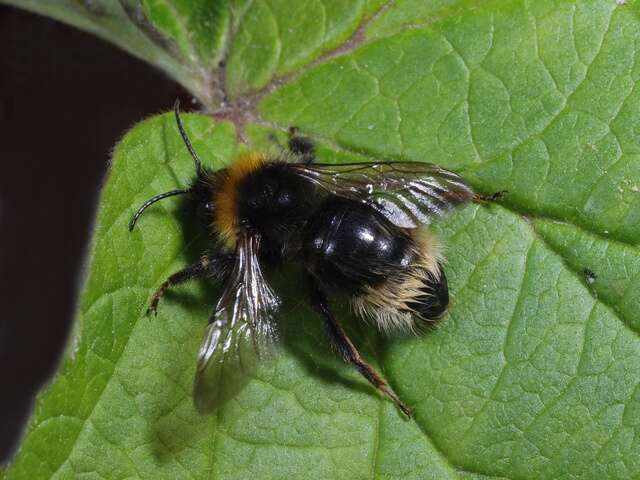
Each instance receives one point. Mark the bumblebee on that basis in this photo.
(354, 227)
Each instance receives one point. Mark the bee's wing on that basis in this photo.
(241, 327)
(408, 194)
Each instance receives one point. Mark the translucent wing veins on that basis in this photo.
(408, 194)
(242, 321)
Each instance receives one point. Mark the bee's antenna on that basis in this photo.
(151, 201)
(185, 138)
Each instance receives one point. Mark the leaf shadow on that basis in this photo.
(162, 433)
(307, 342)
(304, 336)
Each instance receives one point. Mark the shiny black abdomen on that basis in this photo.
(347, 246)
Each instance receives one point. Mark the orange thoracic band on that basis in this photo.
(226, 195)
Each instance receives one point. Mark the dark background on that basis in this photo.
(66, 97)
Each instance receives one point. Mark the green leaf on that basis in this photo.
(535, 371)
(198, 27)
(275, 37)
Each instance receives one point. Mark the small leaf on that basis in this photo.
(122, 22)
(199, 27)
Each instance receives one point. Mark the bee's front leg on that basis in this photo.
(215, 266)
(191, 272)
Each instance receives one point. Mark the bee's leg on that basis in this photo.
(343, 345)
(494, 197)
(206, 265)
(301, 146)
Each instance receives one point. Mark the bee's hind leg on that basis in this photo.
(301, 146)
(343, 345)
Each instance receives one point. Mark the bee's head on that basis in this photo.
(202, 194)
(200, 190)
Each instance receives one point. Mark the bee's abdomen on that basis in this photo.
(394, 277)
(350, 247)
(433, 299)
